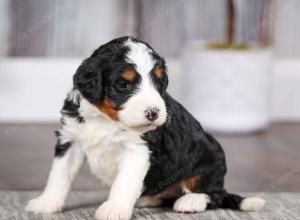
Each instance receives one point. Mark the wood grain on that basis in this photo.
(260, 162)
(75, 28)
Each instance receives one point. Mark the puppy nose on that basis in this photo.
(151, 114)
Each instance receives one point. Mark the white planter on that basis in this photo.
(228, 91)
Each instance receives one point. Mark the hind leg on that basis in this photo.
(191, 201)
(209, 193)
(224, 199)
(213, 185)
(252, 204)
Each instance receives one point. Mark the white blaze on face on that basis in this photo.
(146, 96)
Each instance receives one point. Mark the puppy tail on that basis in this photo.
(233, 201)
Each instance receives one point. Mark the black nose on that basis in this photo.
(151, 113)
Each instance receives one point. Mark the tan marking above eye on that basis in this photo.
(129, 74)
(158, 72)
(107, 107)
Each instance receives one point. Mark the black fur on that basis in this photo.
(95, 71)
(70, 109)
(99, 75)
(61, 148)
(182, 149)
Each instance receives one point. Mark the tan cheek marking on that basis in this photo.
(158, 72)
(107, 108)
(190, 184)
(128, 74)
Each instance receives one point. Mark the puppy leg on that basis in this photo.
(64, 169)
(191, 202)
(220, 198)
(127, 185)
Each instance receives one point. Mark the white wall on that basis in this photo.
(33, 90)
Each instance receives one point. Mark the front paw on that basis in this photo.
(44, 205)
(112, 211)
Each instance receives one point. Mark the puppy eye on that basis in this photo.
(124, 84)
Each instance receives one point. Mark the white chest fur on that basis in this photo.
(105, 145)
(104, 142)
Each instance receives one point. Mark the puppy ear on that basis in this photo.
(88, 80)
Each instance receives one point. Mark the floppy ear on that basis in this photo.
(88, 80)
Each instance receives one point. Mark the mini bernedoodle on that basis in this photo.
(136, 138)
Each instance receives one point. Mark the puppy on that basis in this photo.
(136, 138)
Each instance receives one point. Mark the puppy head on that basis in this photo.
(126, 80)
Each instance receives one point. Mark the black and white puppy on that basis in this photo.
(136, 138)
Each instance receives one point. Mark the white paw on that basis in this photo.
(112, 211)
(44, 205)
(252, 204)
(191, 202)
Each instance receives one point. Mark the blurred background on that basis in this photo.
(233, 64)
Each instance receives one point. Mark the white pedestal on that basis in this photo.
(228, 90)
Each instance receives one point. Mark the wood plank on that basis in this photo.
(260, 162)
(65, 28)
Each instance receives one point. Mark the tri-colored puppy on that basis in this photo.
(136, 138)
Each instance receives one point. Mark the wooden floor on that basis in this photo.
(267, 161)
